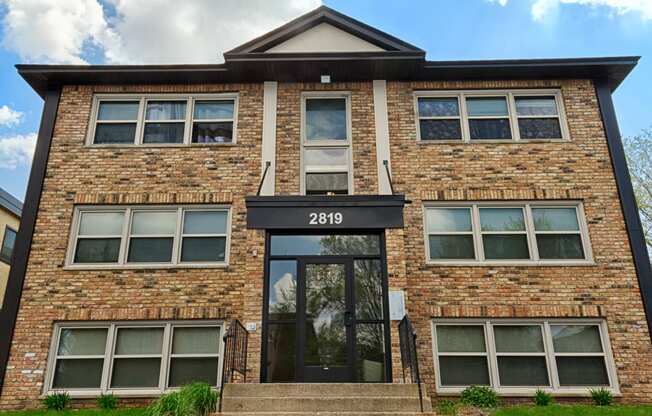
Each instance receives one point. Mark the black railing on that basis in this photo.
(409, 358)
(235, 355)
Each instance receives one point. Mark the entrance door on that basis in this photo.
(326, 309)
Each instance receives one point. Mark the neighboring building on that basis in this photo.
(10, 209)
(325, 172)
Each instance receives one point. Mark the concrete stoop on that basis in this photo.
(340, 399)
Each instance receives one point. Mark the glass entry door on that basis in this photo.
(326, 316)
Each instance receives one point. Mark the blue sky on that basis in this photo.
(110, 31)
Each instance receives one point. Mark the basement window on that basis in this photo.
(163, 119)
(88, 358)
(158, 236)
(519, 356)
(490, 115)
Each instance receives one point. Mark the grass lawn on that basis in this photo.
(577, 410)
(86, 412)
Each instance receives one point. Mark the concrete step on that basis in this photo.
(313, 404)
(321, 390)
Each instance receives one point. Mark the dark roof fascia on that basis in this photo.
(11, 204)
(311, 19)
(279, 201)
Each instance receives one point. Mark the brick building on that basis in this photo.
(322, 184)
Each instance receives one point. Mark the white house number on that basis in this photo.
(322, 218)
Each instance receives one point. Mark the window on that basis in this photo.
(326, 145)
(123, 358)
(8, 242)
(498, 233)
(523, 355)
(153, 236)
(490, 115)
(163, 119)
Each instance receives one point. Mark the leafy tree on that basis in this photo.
(639, 158)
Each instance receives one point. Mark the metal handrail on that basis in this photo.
(409, 358)
(235, 355)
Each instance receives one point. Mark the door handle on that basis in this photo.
(348, 318)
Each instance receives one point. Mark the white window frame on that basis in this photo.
(142, 99)
(125, 238)
(510, 96)
(492, 364)
(326, 144)
(527, 207)
(109, 356)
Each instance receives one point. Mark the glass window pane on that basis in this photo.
(326, 157)
(101, 223)
(205, 222)
(166, 110)
(576, 338)
(163, 133)
(439, 107)
(555, 219)
(318, 183)
(282, 289)
(212, 109)
(440, 129)
(536, 106)
(582, 371)
(139, 341)
(518, 338)
(299, 245)
(208, 249)
(448, 219)
(560, 246)
(449, 247)
(523, 371)
(8, 242)
(196, 340)
(281, 352)
(326, 119)
(115, 133)
(502, 219)
(460, 338)
(193, 370)
(97, 250)
(118, 110)
(154, 222)
(463, 371)
(505, 247)
(492, 129)
(213, 132)
(78, 374)
(486, 106)
(368, 289)
(136, 372)
(370, 347)
(150, 250)
(82, 341)
(539, 128)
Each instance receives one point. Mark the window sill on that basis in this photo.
(152, 266)
(493, 141)
(452, 263)
(158, 146)
(529, 392)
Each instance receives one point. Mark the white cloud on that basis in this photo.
(143, 31)
(17, 150)
(9, 117)
(541, 9)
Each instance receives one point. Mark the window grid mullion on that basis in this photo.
(477, 232)
(490, 346)
(531, 235)
(124, 242)
(513, 119)
(176, 241)
(165, 358)
(187, 129)
(552, 366)
(464, 118)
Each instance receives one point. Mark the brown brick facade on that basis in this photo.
(577, 170)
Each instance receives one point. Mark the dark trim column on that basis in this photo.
(11, 303)
(627, 199)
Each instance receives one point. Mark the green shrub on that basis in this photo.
(601, 397)
(56, 401)
(197, 399)
(479, 396)
(107, 401)
(446, 407)
(541, 398)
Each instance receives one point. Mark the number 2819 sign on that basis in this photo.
(325, 218)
